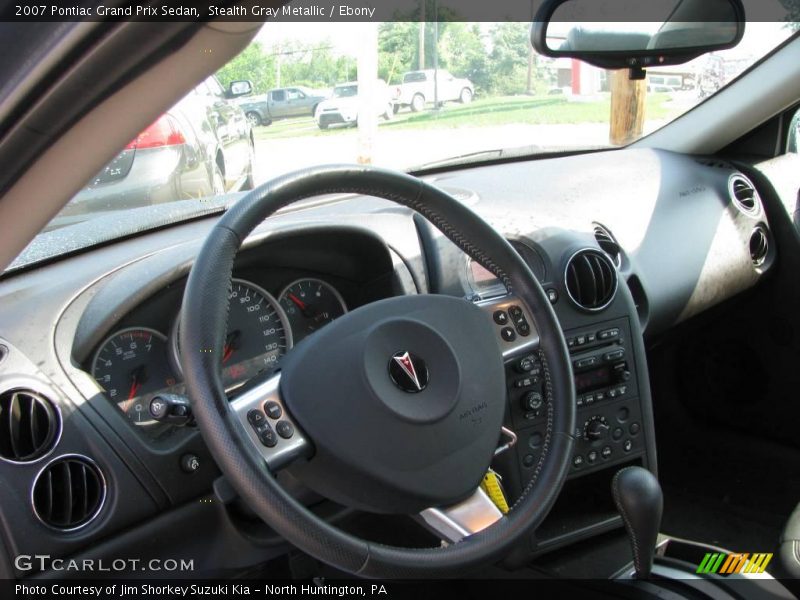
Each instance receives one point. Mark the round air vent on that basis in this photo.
(69, 492)
(591, 279)
(29, 425)
(744, 195)
(759, 245)
(608, 244)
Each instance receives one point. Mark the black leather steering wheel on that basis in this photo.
(396, 407)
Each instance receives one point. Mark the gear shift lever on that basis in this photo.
(639, 501)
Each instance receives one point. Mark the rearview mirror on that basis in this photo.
(616, 34)
(240, 88)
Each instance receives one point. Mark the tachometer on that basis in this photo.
(310, 304)
(131, 366)
(258, 334)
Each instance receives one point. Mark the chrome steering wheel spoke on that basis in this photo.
(454, 523)
(268, 425)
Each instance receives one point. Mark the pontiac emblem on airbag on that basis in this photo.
(408, 372)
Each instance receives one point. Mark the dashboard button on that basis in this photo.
(634, 428)
(273, 409)
(577, 460)
(580, 340)
(617, 433)
(614, 355)
(552, 295)
(627, 445)
(585, 362)
(508, 334)
(592, 456)
(608, 334)
(285, 429)
(500, 317)
(190, 463)
(606, 452)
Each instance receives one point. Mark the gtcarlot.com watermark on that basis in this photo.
(44, 562)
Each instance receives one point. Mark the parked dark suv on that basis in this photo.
(203, 146)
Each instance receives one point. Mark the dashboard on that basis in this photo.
(619, 263)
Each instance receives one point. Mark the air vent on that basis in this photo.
(29, 425)
(608, 244)
(69, 492)
(759, 246)
(591, 279)
(744, 195)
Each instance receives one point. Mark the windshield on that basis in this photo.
(345, 91)
(423, 92)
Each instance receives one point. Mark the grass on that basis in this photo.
(485, 112)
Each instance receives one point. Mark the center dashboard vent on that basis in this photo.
(69, 492)
(590, 279)
(29, 425)
(608, 244)
(744, 195)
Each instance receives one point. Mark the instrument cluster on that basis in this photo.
(135, 363)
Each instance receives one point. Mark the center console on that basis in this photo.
(614, 424)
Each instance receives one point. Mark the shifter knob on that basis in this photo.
(639, 501)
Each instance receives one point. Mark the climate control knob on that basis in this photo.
(595, 429)
(532, 401)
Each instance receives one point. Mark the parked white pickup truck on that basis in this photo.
(418, 88)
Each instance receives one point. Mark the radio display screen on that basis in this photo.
(592, 380)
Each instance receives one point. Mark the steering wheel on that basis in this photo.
(395, 407)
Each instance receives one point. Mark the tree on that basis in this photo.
(462, 51)
(509, 58)
(253, 63)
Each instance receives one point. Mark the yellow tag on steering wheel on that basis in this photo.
(491, 485)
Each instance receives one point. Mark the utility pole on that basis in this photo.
(421, 42)
(435, 55)
(627, 107)
(529, 85)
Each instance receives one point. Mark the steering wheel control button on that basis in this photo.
(408, 372)
(190, 463)
(273, 410)
(508, 334)
(515, 312)
(522, 327)
(256, 418)
(500, 317)
(266, 435)
(284, 429)
(529, 460)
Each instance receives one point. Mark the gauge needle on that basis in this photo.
(228, 349)
(300, 304)
(136, 382)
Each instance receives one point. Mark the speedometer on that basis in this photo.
(258, 334)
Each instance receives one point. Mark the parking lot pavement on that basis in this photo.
(402, 149)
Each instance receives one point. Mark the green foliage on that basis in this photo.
(253, 63)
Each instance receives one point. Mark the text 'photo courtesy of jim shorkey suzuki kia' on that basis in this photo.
(403, 299)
